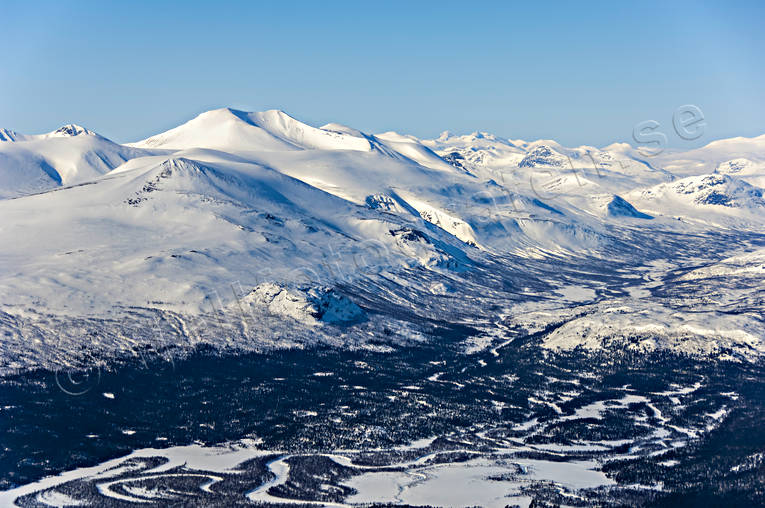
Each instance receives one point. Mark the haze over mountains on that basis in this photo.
(332, 227)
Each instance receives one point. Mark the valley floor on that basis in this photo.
(425, 425)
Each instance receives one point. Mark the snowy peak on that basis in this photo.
(710, 190)
(239, 132)
(544, 156)
(447, 137)
(739, 166)
(9, 135)
(474, 140)
(181, 167)
(220, 129)
(720, 190)
(234, 130)
(182, 175)
(476, 150)
(65, 131)
(71, 130)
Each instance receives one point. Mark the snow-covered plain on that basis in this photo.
(297, 235)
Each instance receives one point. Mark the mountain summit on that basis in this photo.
(230, 129)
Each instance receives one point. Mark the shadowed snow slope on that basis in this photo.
(618, 207)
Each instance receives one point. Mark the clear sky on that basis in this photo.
(578, 73)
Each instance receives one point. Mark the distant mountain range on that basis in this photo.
(331, 231)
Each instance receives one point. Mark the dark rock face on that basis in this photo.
(455, 159)
(410, 235)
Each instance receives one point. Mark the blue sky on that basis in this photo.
(577, 73)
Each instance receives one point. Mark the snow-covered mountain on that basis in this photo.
(333, 232)
(66, 156)
(706, 190)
